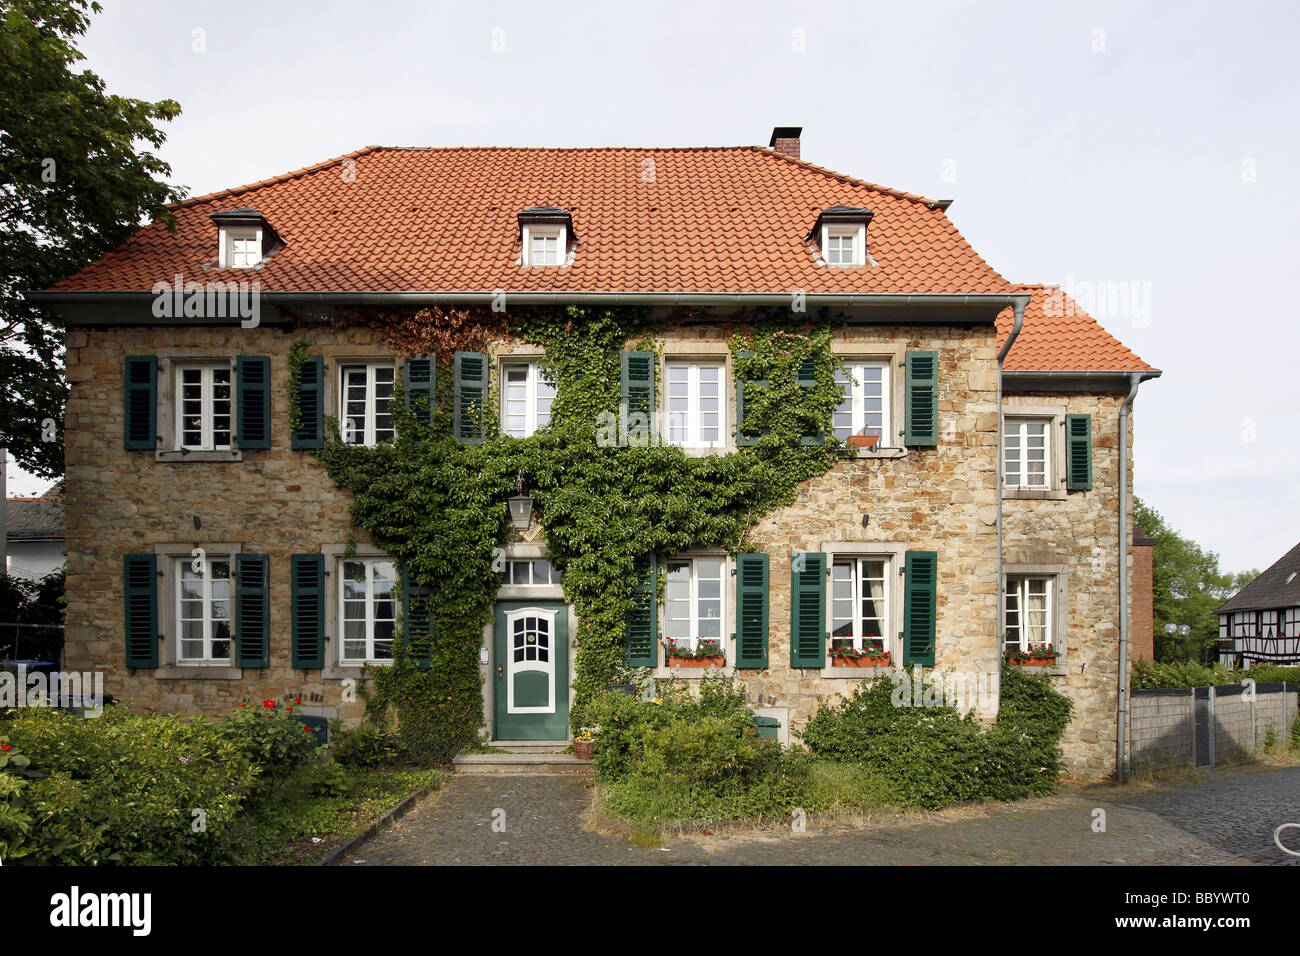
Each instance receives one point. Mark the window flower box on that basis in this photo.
(1038, 655)
(704, 654)
(864, 661)
(863, 441)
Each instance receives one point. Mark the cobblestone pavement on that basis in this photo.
(1224, 818)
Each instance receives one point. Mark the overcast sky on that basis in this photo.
(1149, 149)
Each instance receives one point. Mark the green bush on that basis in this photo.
(696, 757)
(1148, 674)
(270, 737)
(123, 788)
(366, 745)
(329, 779)
(932, 755)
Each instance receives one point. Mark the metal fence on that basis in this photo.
(1202, 726)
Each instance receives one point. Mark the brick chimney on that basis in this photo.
(785, 139)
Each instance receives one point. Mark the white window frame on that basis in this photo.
(693, 423)
(1022, 446)
(369, 561)
(509, 578)
(532, 380)
(855, 562)
(857, 398)
(858, 235)
(561, 236)
(238, 246)
(368, 438)
(693, 640)
(207, 435)
(1019, 583)
(179, 567)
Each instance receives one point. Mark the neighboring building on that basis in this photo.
(154, 469)
(1260, 624)
(35, 538)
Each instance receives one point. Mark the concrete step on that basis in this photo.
(535, 763)
(531, 746)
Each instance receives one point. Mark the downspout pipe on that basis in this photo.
(1018, 306)
(1121, 713)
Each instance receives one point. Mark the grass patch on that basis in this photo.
(282, 834)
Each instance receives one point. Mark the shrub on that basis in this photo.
(932, 756)
(124, 788)
(270, 737)
(367, 745)
(329, 779)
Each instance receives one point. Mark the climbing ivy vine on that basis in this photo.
(439, 506)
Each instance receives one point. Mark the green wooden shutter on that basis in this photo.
(751, 610)
(140, 593)
(922, 389)
(140, 403)
(252, 611)
(307, 597)
(253, 398)
(637, 382)
(642, 622)
(417, 617)
(806, 377)
(470, 385)
(808, 609)
(311, 403)
(920, 584)
(419, 375)
(744, 436)
(1078, 452)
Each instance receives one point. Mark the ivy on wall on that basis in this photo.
(439, 506)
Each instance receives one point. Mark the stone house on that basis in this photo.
(985, 507)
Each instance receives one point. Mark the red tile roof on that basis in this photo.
(699, 220)
(1058, 336)
(727, 219)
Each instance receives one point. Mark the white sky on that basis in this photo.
(1084, 143)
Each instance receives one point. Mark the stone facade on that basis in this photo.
(1077, 533)
(279, 502)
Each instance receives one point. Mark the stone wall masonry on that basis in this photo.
(1081, 532)
(939, 499)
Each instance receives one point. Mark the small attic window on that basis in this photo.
(545, 233)
(245, 239)
(1290, 577)
(841, 236)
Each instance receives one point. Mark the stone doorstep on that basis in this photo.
(530, 746)
(522, 763)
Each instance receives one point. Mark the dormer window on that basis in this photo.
(546, 232)
(245, 239)
(841, 236)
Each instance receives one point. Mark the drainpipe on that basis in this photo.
(1018, 305)
(1121, 714)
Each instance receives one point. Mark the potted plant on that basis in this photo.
(583, 743)
(1037, 655)
(704, 654)
(844, 654)
(863, 441)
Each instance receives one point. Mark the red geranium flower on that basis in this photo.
(5, 747)
(304, 727)
(268, 703)
(297, 700)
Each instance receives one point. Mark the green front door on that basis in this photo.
(531, 671)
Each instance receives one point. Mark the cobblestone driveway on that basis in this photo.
(1226, 817)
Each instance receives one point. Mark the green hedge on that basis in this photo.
(934, 756)
(138, 789)
(1148, 674)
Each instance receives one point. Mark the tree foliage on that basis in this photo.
(1188, 586)
(77, 181)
